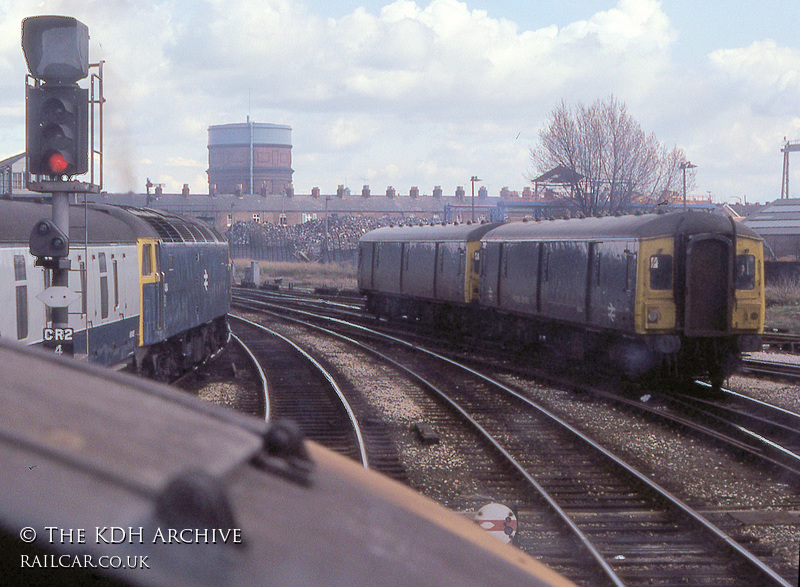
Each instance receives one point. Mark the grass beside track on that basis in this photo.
(783, 306)
(331, 275)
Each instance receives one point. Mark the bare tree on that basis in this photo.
(613, 162)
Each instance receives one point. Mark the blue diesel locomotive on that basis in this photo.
(151, 288)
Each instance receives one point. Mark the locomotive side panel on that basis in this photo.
(21, 281)
(195, 283)
(563, 274)
(108, 301)
(105, 276)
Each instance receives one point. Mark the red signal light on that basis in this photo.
(56, 163)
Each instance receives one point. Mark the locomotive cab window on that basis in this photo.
(147, 262)
(745, 272)
(661, 272)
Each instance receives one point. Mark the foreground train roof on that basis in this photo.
(87, 448)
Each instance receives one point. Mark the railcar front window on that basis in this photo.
(661, 272)
(745, 272)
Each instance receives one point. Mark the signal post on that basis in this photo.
(56, 50)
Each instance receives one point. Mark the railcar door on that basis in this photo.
(708, 278)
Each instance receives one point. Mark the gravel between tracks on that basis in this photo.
(708, 477)
(434, 470)
(696, 471)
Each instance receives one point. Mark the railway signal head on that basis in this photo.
(57, 125)
(56, 48)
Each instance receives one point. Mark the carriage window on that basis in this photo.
(104, 296)
(19, 268)
(48, 281)
(22, 312)
(116, 285)
(745, 272)
(83, 287)
(101, 257)
(661, 272)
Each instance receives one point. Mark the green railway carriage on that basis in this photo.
(411, 270)
(680, 292)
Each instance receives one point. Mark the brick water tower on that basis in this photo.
(249, 158)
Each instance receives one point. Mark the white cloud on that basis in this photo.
(418, 94)
(765, 74)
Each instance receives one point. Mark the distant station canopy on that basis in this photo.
(249, 158)
(558, 176)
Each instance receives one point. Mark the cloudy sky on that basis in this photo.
(424, 93)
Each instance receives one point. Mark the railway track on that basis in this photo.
(783, 341)
(326, 408)
(627, 523)
(771, 368)
(303, 390)
(768, 431)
